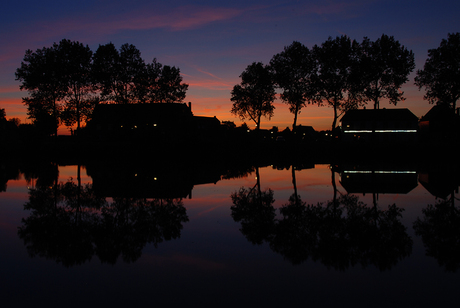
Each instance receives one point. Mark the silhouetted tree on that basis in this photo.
(342, 233)
(69, 223)
(440, 232)
(170, 88)
(76, 75)
(294, 73)
(116, 73)
(254, 208)
(161, 84)
(123, 77)
(43, 120)
(128, 224)
(337, 59)
(61, 222)
(106, 66)
(40, 174)
(41, 74)
(254, 97)
(441, 73)
(8, 171)
(147, 88)
(384, 67)
(59, 83)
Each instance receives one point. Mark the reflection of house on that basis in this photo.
(440, 181)
(380, 125)
(162, 179)
(441, 120)
(378, 179)
(160, 120)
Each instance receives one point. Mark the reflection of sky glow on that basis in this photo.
(213, 261)
(213, 42)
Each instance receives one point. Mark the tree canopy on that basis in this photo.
(65, 81)
(123, 77)
(440, 75)
(337, 59)
(116, 73)
(41, 75)
(384, 67)
(294, 72)
(341, 73)
(254, 96)
(76, 78)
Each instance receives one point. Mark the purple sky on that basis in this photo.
(212, 42)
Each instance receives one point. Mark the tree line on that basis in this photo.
(345, 74)
(66, 81)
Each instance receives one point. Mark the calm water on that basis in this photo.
(193, 244)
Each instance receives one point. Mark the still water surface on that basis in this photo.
(206, 248)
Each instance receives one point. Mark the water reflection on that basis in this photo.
(36, 173)
(341, 233)
(150, 179)
(440, 231)
(377, 179)
(254, 209)
(439, 226)
(127, 206)
(70, 223)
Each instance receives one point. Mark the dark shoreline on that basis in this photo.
(76, 150)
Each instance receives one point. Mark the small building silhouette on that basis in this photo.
(440, 121)
(380, 125)
(159, 120)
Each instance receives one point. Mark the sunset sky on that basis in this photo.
(212, 42)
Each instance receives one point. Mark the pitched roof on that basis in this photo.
(400, 114)
(440, 112)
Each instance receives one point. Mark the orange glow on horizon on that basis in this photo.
(206, 102)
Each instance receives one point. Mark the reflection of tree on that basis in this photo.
(341, 233)
(255, 211)
(45, 173)
(440, 232)
(57, 228)
(254, 208)
(69, 223)
(236, 173)
(128, 224)
(7, 172)
(345, 232)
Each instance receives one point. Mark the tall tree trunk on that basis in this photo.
(334, 122)
(78, 115)
(55, 116)
(295, 116)
(334, 186)
(78, 209)
(259, 192)
(294, 183)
